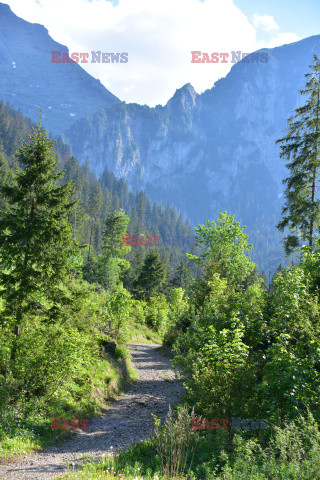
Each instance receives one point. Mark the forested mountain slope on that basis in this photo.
(113, 194)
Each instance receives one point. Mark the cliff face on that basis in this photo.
(215, 136)
(29, 80)
(210, 152)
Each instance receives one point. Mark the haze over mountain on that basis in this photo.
(30, 81)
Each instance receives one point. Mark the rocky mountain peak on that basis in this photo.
(184, 97)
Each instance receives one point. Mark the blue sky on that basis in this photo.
(299, 16)
(159, 36)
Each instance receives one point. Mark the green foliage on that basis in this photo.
(151, 276)
(94, 207)
(13, 128)
(301, 149)
(224, 246)
(51, 322)
(216, 347)
(291, 372)
(245, 351)
(173, 443)
(178, 302)
(111, 265)
(181, 278)
(138, 311)
(241, 349)
(216, 352)
(119, 302)
(157, 311)
(115, 226)
(220, 370)
(179, 305)
(35, 239)
(49, 356)
(108, 271)
(292, 454)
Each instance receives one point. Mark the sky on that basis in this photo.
(159, 36)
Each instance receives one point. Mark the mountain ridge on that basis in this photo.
(64, 92)
(208, 152)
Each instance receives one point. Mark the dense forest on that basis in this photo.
(247, 350)
(98, 197)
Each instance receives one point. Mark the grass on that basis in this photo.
(292, 453)
(20, 435)
(23, 431)
(25, 436)
(110, 377)
(142, 334)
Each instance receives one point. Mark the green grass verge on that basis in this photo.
(28, 427)
(143, 334)
(291, 453)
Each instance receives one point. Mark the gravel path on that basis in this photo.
(128, 420)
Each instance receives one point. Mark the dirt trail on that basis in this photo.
(128, 420)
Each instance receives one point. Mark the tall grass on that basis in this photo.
(173, 452)
(173, 443)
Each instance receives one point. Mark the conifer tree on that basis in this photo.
(95, 204)
(151, 276)
(115, 226)
(181, 277)
(36, 241)
(301, 148)
(111, 262)
(3, 172)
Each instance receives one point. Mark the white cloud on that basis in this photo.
(282, 39)
(265, 22)
(158, 35)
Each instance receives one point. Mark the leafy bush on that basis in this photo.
(157, 311)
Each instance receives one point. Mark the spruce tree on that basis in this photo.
(151, 276)
(301, 148)
(181, 277)
(36, 241)
(115, 226)
(94, 208)
(111, 263)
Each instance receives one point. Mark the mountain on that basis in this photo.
(200, 153)
(146, 218)
(211, 152)
(30, 81)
